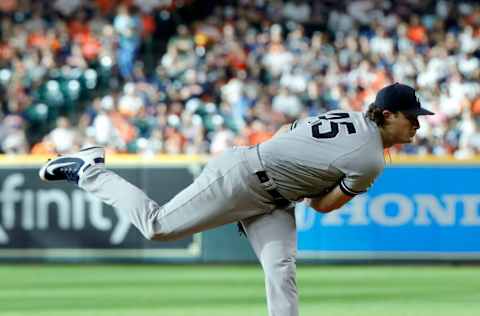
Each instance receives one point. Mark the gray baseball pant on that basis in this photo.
(226, 191)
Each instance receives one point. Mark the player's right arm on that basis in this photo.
(287, 127)
(284, 128)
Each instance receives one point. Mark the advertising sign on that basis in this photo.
(411, 212)
(61, 220)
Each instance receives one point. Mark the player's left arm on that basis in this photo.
(331, 201)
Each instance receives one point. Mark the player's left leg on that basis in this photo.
(274, 240)
(86, 168)
(223, 193)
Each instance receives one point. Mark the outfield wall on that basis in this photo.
(417, 210)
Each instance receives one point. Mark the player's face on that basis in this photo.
(404, 127)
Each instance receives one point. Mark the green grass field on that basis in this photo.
(204, 290)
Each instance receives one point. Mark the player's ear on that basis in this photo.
(387, 117)
(387, 114)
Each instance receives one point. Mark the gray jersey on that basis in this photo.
(320, 152)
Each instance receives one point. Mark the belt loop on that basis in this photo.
(269, 185)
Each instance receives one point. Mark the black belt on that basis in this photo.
(278, 199)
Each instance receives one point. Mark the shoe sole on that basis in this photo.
(87, 154)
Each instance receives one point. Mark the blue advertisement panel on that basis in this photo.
(412, 212)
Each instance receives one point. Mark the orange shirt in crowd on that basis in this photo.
(106, 6)
(78, 29)
(417, 34)
(380, 80)
(257, 137)
(42, 148)
(37, 39)
(90, 46)
(237, 59)
(476, 106)
(126, 130)
(148, 25)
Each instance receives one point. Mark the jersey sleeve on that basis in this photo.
(300, 121)
(361, 168)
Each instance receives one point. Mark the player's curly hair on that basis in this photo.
(375, 114)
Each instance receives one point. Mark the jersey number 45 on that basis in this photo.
(328, 126)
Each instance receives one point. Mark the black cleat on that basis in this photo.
(72, 167)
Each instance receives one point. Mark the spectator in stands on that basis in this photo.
(12, 135)
(127, 27)
(63, 137)
(247, 63)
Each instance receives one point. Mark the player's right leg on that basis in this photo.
(273, 237)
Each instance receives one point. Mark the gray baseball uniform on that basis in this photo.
(252, 185)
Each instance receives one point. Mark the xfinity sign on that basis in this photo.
(63, 219)
(49, 208)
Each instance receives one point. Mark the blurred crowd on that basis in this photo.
(75, 73)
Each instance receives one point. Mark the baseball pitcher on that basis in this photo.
(326, 159)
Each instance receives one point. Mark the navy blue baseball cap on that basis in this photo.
(400, 98)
